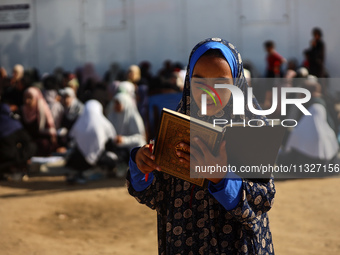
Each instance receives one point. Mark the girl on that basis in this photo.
(230, 216)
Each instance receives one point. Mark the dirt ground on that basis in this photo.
(44, 216)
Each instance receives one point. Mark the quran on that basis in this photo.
(245, 145)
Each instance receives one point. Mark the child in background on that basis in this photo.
(316, 54)
(274, 60)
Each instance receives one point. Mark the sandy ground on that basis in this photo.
(45, 216)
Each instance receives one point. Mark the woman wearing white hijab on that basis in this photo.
(313, 140)
(92, 132)
(124, 116)
(313, 136)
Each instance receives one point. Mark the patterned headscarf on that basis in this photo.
(234, 60)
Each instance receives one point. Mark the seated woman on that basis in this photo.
(72, 110)
(124, 116)
(51, 96)
(38, 121)
(93, 135)
(16, 146)
(313, 140)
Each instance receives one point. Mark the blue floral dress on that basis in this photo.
(190, 220)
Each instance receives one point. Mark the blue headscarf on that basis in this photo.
(8, 125)
(234, 60)
(227, 53)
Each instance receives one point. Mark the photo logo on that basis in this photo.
(204, 96)
(238, 99)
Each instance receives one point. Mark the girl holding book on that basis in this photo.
(228, 217)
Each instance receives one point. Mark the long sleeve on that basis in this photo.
(147, 193)
(227, 191)
(137, 178)
(256, 199)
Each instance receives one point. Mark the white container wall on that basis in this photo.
(69, 33)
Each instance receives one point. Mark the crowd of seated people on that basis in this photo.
(95, 121)
(91, 121)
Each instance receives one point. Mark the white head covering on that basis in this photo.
(67, 92)
(128, 88)
(313, 136)
(91, 131)
(303, 72)
(128, 122)
(19, 69)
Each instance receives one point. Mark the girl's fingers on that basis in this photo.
(144, 168)
(202, 146)
(146, 151)
(187, 153)
(185, 147)
(145, 160)
(183, 152)
(183, 155)
(151, 163)
(148, 165)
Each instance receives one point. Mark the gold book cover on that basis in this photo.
(175, 128)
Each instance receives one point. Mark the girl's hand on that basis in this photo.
(145, 160)
(202, 156)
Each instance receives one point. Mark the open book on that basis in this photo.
(246, 146)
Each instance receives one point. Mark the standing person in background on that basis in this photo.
(274, 61)
(38, 121)
(274, 70)
(316, 54)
